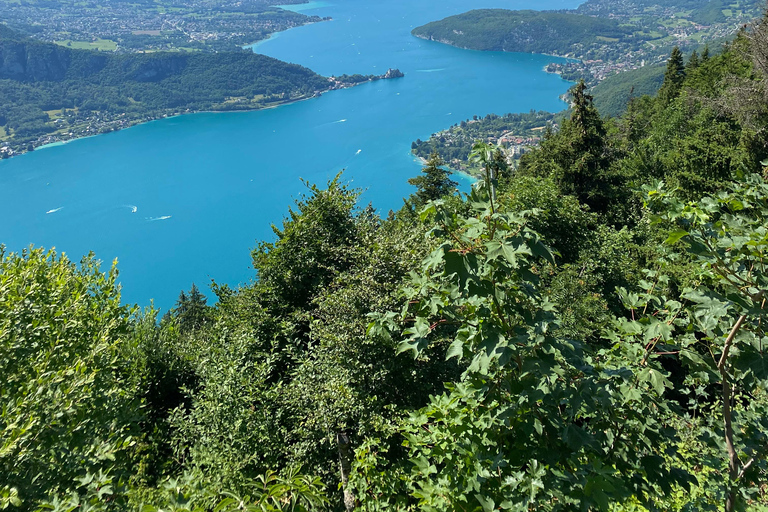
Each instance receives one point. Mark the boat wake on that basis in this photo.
(155, 219)
(133, 208)
(54, 210)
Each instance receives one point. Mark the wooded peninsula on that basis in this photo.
(53, 93)
(584, 331)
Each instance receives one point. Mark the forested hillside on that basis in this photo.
(50, 89)
(607, 37)
(613, 94)
(586, 333)
(522, 31)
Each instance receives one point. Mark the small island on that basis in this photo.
(343, 81)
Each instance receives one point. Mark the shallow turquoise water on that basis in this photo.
(183, 200)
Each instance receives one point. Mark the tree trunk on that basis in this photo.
(733, 457)
(342, 441)
(733, 460)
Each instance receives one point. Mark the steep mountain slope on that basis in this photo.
(521, 31)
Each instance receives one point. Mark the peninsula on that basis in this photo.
(617, 48)
(57, 93)
(604, 36)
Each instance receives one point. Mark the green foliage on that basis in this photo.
(165, 381)
(9, 496)
(190, 493)
(463, 449)
(576, 158)
(718, 330)
(521, 31)
(286, 365)
(691, 141)
(312, 247)
(535, 418)
(434, 184)
(562, 220)
(673, 76)
(191, 311)
(68, 404)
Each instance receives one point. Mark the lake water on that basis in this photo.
(184, 200)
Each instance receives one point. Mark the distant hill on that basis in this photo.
(49, 88)
(613, 94)
(7, 33)
(198, 75)
(522, 31)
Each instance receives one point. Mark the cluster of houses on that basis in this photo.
(189, 21)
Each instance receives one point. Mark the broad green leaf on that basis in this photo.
(675, 236)
(456, 349)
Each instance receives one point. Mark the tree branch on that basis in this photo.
(729, 342)
(733, 457)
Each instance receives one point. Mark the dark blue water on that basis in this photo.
(184, 200)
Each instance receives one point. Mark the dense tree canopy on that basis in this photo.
(37, 78)
(586, 333)
(522, 31)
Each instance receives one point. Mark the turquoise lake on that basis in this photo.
(184, 199)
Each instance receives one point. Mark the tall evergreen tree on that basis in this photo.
(434, 183)
(191, 311)
(576, 157)
(673, 76)
(705, 54)
(693, 62)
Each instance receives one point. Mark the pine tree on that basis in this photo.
(434, 183)
(576, 157)
(586, 120)
(705, 54)
(191, 310)
(673, 76)
(583, 168)
(693, 62)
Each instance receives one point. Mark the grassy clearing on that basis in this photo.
(105, 45)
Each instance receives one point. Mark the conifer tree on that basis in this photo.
(434, 183)
(673, 76)
(191, 309)
(582, 161)
(693, 62)
(576, 157)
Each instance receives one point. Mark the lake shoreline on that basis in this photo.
(226, 179)
(50, 141)
(464, 174)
